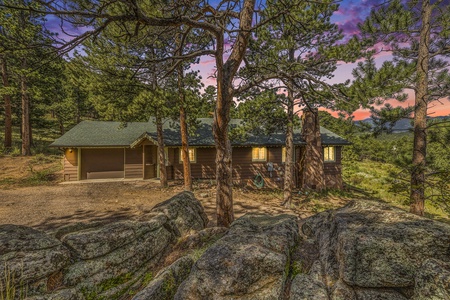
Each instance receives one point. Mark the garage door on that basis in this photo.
(102, 163)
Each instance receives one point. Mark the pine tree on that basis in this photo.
(297, 53)
(23, 43)
(227, 22)
(417, 34)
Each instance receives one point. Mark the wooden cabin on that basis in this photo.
(100, 150)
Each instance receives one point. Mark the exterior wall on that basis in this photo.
(102, 163)
(243, 167)
(70, 163)
(333, 171)
(203, 168)
(109, 163)
(133, 163)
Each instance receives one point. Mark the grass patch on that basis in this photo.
(297, 268)
(30, 171)
(9, 289)
(147, 278)
(375, 178)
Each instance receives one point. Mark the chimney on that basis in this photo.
(311, 172)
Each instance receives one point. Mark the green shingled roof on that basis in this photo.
(117, 134)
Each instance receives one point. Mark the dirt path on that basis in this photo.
(30, 195)
(48, 207)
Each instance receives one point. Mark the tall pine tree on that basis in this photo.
(417, 33)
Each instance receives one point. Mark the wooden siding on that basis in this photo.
(133, 163)
(204, 168)
(332, 171)
(333, 168)
(70, 163)
(243, 166)
(101, 160)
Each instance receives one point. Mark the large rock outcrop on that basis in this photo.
(371, 250)
(364, 251)
(97, 261)
(250, 262)
(29, 255)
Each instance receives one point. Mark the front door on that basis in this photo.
(150, 161)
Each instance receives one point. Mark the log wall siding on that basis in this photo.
(333, 171)
(203, 168)
(70, 163)
(333, 168)
(133, 163)
(243, 166)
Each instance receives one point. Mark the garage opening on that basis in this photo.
(102, 163)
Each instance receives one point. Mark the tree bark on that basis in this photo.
(7, 99)
(289, 160)
(184, 132)
(417, 195)
(225, 93)
(161, 152)
(26, 137)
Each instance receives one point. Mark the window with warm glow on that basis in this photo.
(259, 154)
(192, 155)
(283, 154)
(329, 154)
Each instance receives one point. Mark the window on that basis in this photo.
(259, 154)
(329, 154)
(283, 154)
(192, 155)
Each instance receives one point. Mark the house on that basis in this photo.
(100, 149)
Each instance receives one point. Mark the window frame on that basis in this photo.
(194, 151)
(260, 159)
(334, 154)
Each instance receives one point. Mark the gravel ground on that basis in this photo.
(48, 207)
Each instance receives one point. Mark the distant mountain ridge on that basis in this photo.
(403, 125)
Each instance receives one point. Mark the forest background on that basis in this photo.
(46, 92)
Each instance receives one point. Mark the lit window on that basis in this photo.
(283, 154)
(329, 154)
(259, 154)
(192, 155)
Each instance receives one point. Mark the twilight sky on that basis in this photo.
(350, 13)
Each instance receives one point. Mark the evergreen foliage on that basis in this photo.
(416, 34)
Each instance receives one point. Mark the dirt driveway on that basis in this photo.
(48, 207)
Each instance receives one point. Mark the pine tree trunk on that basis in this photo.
(26, 138)
(161, 153)
(224, 195)
(289, 160)
(184, 133)
(62, 130)
(7, 99)
(225, 93)
(417, 196)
